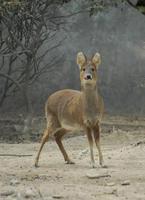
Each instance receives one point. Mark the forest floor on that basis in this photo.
(124, 154)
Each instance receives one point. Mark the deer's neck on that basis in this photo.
(90, 101)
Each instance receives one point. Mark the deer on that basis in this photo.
(67, 110)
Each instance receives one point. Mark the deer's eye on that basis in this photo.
(93, 69)
(83, 69)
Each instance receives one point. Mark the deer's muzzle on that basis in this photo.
(88, 77)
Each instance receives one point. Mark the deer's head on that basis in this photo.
(88, 69)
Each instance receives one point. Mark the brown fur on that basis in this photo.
(67, 110)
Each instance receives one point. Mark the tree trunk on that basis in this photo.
(27, 99)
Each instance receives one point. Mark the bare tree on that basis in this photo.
(25, 27)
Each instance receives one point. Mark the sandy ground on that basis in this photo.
(124, 154)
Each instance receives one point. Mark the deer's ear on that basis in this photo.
(81, 59)
(96, 60)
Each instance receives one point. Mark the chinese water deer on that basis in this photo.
(68, 109)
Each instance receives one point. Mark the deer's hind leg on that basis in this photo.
(52, 125)
(59, 133)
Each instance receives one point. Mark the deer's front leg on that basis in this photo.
(90, 140)
(96, 132)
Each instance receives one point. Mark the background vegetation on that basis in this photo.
(38, 45)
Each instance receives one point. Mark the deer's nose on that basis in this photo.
(88, 77)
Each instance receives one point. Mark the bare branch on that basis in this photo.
(10, 78)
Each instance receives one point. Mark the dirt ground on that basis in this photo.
(124, 154)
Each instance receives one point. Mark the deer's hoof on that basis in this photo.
(93, 166)
(69, 162)
(104, 166)
(36, 165)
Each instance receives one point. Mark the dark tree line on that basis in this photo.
(100, 5)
